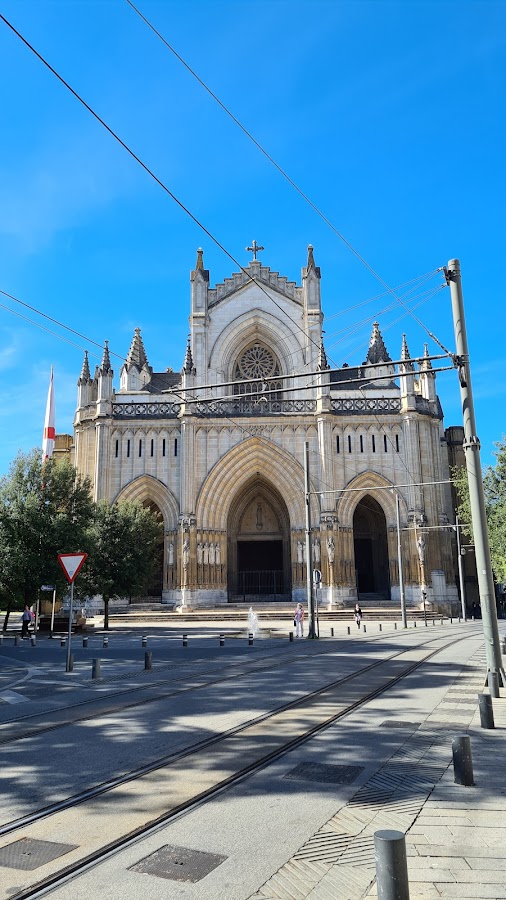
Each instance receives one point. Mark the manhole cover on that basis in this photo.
(323, 773)
(28, 854)
(179, 863)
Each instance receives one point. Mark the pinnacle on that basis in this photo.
(137, 354)
(85, 376)
(199, 265)
(188, 359)
(106, 360)
(377, 352)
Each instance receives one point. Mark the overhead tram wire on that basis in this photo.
(342, 312)
(282, 171)
(154, 177)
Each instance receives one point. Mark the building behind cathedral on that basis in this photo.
(217, 451)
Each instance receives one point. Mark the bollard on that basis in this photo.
(250, 640)
(433, 621)
(63, 641)
(148, 660)
(380, 627)
(331, 632)
(391, 865)
(441, 621)
(105, 642)
(349, 631)
(95, 668)
(85, 642)
(462, 760)
(451, 620)
(414, 623)
(365, 628)
(486, 711)
(426, 623)
(33, 640)
(17, 641)
(222, 640)
(493, 683)
(144, 641)
(70, 663)
(290, 635)
(185, 640)
(504, 645)
(395, 626)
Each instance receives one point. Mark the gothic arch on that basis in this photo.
(253, 458)
(148, 489)
(362, 485)
(251, 326)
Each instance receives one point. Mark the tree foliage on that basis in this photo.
(123, 540)
(494, 485)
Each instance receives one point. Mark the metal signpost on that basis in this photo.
(71, 564)
(50, 587)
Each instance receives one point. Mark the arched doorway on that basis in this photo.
(371, 549)
(258, 544)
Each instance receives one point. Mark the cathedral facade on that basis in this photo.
(217, 451)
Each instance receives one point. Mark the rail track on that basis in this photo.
(138, 803)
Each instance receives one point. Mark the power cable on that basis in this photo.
(280, 169)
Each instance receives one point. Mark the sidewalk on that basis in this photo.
(455, 835)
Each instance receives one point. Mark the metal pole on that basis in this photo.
(462, 760)
(474, 477)
(68, 664)
(461, 570)
(399, 557)
(309, 557)
(52, 613)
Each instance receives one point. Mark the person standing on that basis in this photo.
(358, 614)
(26, 618)
(298, 620)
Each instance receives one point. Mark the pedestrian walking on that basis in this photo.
(298, 620)
(26, 619)
(358, 614)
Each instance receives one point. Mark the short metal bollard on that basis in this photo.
(222, 640)
(290, 635)
(144, 641)
(441, 621)
(493, 683)
(349, 629)
(85, 642)
(331, 632)
(70, 663)
(433, 621)
(365, 628)
(462, 760)
(33, 640)
(105, 642)
(95, 668)
(380, 627)
(391, 865)
(148, 660)
(395, 626)
(486, 711)
(451, 620)
(63, 641)
(17, 641)
(414, 623)
(185, 640)
(250, 640)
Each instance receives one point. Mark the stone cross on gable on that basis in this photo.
(254, 249)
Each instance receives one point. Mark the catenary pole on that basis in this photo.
(399, 557)
(309, 556)
(474, 477)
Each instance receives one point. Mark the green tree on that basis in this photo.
(123, 556)
(494, 485)
(45, 509)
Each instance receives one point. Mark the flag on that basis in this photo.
(49, 426)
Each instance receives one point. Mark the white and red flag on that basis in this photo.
(49, 423)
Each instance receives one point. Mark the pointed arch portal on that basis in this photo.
(371, 548)
(258, 550)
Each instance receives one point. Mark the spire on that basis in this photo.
(310, 258)
(377, 352)
(106, 360)
(426, 363)
(199, 265)
(137, 354)
(188, 359)
(408, 366)
(85, 376)
(322, 357)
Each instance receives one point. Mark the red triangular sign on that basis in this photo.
(71, 564)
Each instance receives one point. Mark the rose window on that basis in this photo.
(255, 362)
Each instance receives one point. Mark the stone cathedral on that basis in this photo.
(217, 451)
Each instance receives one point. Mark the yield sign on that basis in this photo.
(71, 564)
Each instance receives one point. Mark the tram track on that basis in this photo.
(138, 804)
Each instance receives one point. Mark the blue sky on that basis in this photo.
(389, 115)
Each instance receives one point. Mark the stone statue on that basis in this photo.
(316, 550)
(218, 554)
(199, 554)
(211, 554)
(170, 553)
(186, 553)
(330, 548)
(420, 544)
(206, 554)
(300, 551)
